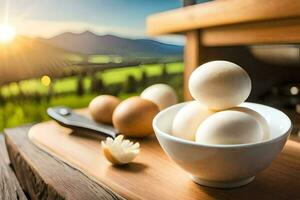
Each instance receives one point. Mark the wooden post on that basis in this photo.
(189, 2)
(191, 54)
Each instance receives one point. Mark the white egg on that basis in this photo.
(261, 120)
(229, 127)
(188, 119)
(161, 94)
(220, 85)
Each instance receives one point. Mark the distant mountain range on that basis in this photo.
(89, 43)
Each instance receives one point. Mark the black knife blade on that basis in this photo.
(70, 119)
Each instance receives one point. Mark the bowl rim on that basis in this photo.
(193, 143)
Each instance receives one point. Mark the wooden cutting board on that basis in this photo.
(153, 175)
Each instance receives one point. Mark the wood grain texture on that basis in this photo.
(154, 176)
(218, 13)
(279, 31)
(10, 188)
(43, 176)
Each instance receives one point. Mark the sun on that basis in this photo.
(7, 33)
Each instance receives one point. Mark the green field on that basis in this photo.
(109, 76)
(15, 113)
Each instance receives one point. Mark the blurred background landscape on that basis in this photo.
(66, 52)
(52, 56)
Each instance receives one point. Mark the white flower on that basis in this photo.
(119, 151)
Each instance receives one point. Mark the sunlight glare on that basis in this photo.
(7, 33)
(46, 80)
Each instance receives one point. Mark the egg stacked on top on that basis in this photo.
(215, 117)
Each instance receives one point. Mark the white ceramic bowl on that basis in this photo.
(223, 166)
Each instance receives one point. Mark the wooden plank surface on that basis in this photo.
(280, 31)
(10, 188)
(218, 13)
(43, 176)
(154, 176)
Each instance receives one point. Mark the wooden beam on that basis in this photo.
(279, 31)
(217, 13)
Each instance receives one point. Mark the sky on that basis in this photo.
(47, 18)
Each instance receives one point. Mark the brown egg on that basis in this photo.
(102, 107)
(133, 117)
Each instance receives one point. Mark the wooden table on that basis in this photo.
(43, 176)
(9, 186)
